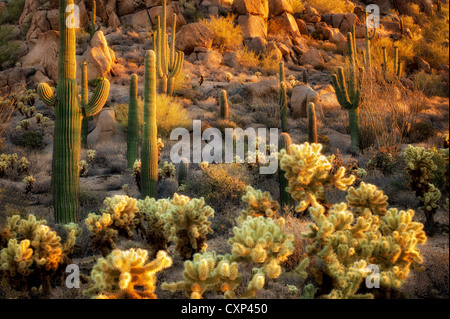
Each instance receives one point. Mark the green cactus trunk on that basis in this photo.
(223, 104)
(84, 102)
(183, 170)
(69, 112)
(312, 123)
(283, 107)
(133, 122)
(281, 74)
(284, 141)
(149, 156)
(353, 117)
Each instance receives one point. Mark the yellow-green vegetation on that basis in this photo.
(266, 62)
(331, 6)
(347, 238)
(308, 173)
(297, 6)
(259, 204)
(127, 275)
(207, 271)
(104, 236)
(8, 161)
(187, 224)
(170, 114)
(227, 35)
(32, 256)
(168, 170)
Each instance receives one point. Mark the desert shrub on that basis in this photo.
(219, 184)
(421, 132)
(8, 47)
(227, 36)
(12, 11)
(331, 6)
(170, 114)
(431, 84)
(265, 62)
(6, 110)
(297, 6)
(383, 160)
(30, 140)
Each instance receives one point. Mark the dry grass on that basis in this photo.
(331, 6)
(227, 35)
(266, 62)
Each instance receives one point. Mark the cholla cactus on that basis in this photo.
(308, 173)
(204, 165)
(23, 165)
(3, 167)
(261, 241)
(38, 118)
(229, 77)
(122, 210)
(103, 236)
(207, 271)
(29, 183)
(345, 242)
(127, 275)
(259, 204)
(187, 223)
(32, 256)
(137, 173)
(83, 168)
(167, 171)
(420, 167)
(150, 222)
(91, 156)
(24, 125)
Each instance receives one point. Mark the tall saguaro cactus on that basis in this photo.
(223, 104)
(91, 27)
(368, 38)
(312, 123)
(397, 64)
(168, 63)
(348, 92)
(69, 113)
(284, 142)
(149, 153)
(283, 107)
(133, 122)
(84, 101)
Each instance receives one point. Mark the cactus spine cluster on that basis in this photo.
(149, 156)
(169, 63)
(69, 113)
(348, 92)
(312, 123)
(223, 104)
(133, 122)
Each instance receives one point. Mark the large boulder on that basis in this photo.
(277, 7)
(139, 20)
(301, 96)
(312, 57)
(252, 26)
(263, 88)
(44, 55)
(125, 7)
(194, 35)
(99, 56)
(283, 24)
(39, 24)
(258, 45)
(213, 60)
(154, 12)
(254, 7)
(106, 129)
(334, 35)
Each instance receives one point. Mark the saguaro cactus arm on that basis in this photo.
(99, 98)
(46, 94)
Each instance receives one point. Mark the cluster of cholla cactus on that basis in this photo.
(83, 168)
(348, 91)
(69, 111)
(29, 183)
(127, 275)
(169, 63)
(259, 204)
(151, 220)
(308, 173)
(24, 102)
(91, 156)
(167, 170)
(261, 241)
(32, 256)
(420, 167)
(118, 218)
(188, 224)
(207, 272)
(24, 125)
(350, 238)
(7, 161)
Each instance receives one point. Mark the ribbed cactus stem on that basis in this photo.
(68, 115)
(384, 61)
(397, 65)
(312, 123)
(284, 141)
(223, 103)
(283, 107)
(305, 76)
(133, 122)
(368, 38)
(149, 154)
(84, 102)
(281, 72)
(92, 28)
(183, 169)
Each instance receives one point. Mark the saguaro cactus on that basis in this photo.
(69, 113)
(283, 107)
(284, 141)
(348, 92)
(149, 153)
(84, 101)
(223, 104)
(183, 170)
(133, 122)
(281, 72)
(92, 28)
(168, 63)
(368, 38)
(312, 123)
(397, 65)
